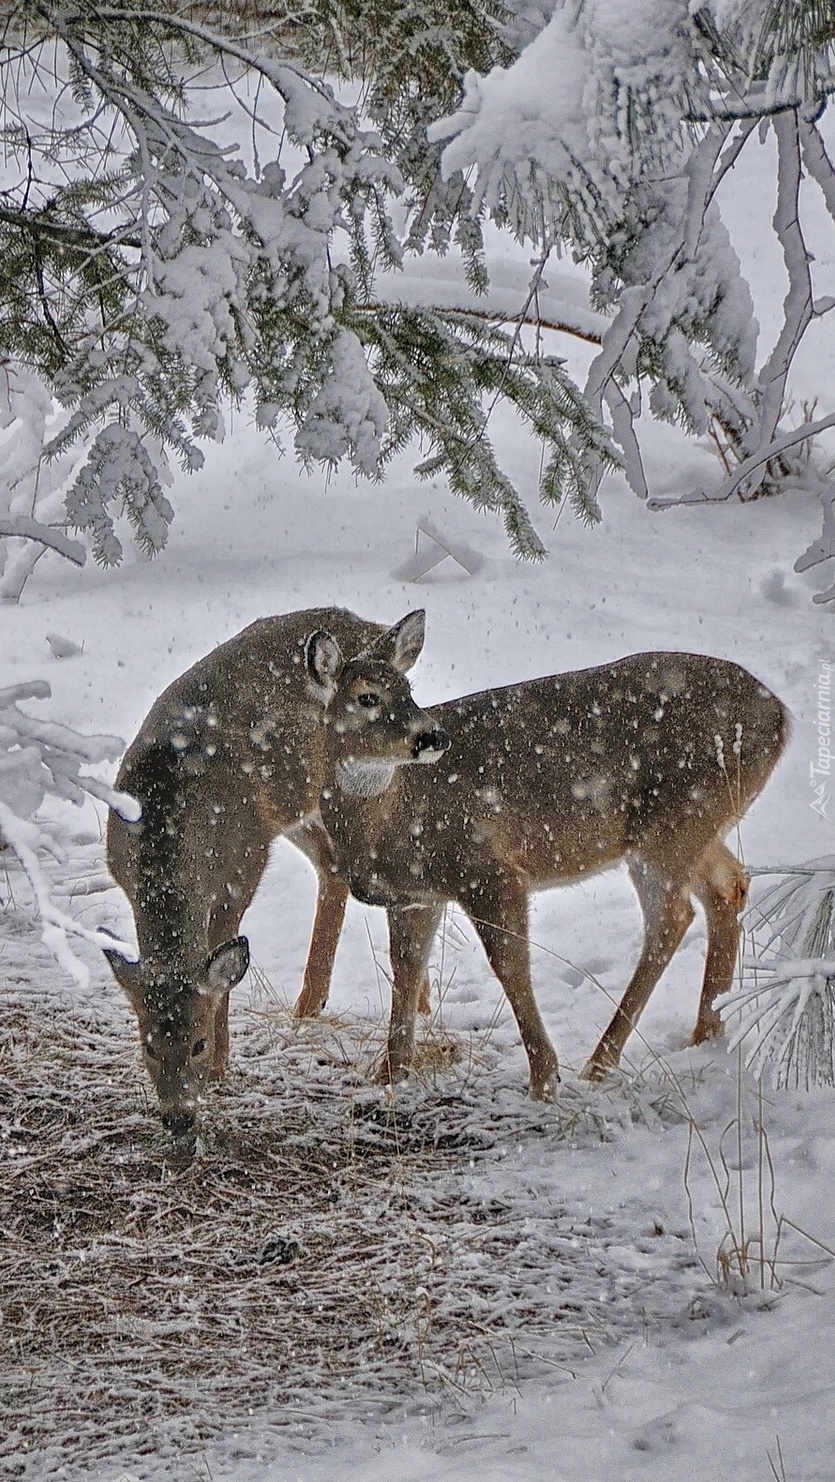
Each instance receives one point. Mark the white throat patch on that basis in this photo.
(364, 779)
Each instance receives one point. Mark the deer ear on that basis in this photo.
(226, 966)
(323, 658)
(127, 974)
(401, 645)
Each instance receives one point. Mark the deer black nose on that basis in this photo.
(179, 1123)
(434, 740)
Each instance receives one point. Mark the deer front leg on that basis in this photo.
(221, 1033)
(411, 933)
(500, 916)
(313, 841)
(722, 887)
(327, 926)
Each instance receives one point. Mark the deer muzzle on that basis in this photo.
(429, 745)
(180, 1122)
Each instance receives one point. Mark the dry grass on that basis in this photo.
(323, 1237)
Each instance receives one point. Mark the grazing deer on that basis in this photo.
(649, 760)
(229, 757)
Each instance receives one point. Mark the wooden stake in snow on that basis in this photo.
(436, 549)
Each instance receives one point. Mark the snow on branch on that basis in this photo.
(797, 308)
(22, 527)
(310, 106)
(31, 487)
(156, 265)
(155, 274)
(783, 1015)
(788, 440)
(610, 135)
(39, 760)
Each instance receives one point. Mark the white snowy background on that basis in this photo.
(670, 1372)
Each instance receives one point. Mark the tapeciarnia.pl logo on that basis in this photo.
(820, 768)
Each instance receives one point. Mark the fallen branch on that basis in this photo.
(782, 444)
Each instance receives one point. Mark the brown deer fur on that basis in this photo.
(649, 760)
(230, 756)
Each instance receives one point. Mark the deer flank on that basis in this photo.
(649, 760)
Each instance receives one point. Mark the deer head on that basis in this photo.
(178, 1015)
(373, 724)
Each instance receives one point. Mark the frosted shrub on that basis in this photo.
(784, 1014)
(32, 488)
(39, 760)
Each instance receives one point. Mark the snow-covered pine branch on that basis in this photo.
(39, 760)
(156, 265)
(783, 1015)
(610, 136)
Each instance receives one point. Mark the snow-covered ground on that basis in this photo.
(622, 1197)
(686, 1375)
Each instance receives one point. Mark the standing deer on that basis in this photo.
(230, 756)
(649, 760)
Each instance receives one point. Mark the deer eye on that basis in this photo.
(197, 1048)
(150, 1051)
(368, 701)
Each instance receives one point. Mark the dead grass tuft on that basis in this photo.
(326, 1235)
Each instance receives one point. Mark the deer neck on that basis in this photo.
(363, 779)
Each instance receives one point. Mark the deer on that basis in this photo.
(229, 757)
(649, 760)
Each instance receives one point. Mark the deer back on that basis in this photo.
(649, 757)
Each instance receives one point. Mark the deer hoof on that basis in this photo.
(710, 1026)
(545, 1088)
(598, 1067)
(308, 1007)
(391, 1075)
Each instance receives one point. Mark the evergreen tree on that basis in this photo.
(632, 118)
(152, 271)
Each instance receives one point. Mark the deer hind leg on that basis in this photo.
(667, 912)
(721, 885)
(501, 921)
(411, 933)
